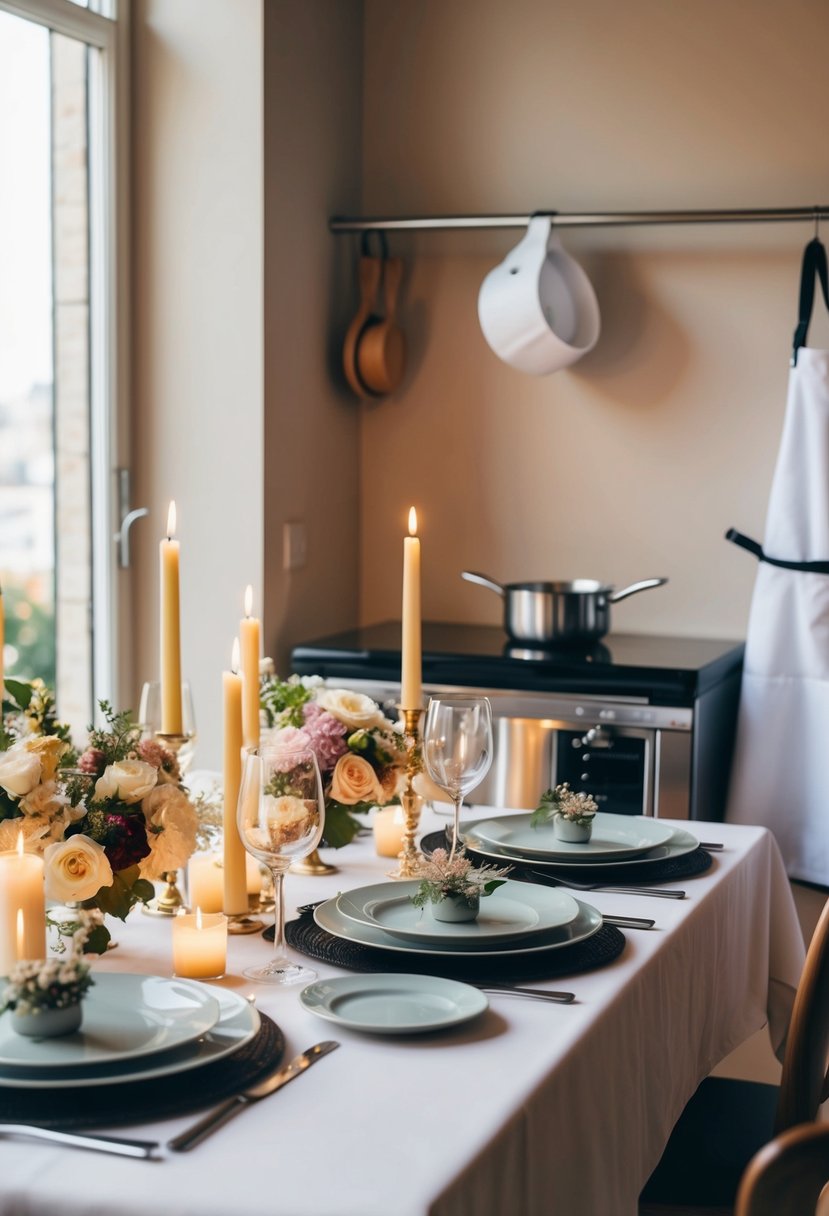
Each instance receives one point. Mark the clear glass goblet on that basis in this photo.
(457, 748)
(281, 814)
(149, 719)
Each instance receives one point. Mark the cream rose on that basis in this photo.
(19, 771)
(76, 868)
(354, 780)
(48, 749)
(354, 709)
(172, 823)
(128, 780)
(44, 801)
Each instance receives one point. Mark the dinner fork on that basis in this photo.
(99, 1144)
(533, 994)
(553, 880)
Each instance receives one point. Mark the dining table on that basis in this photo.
(530, 1108)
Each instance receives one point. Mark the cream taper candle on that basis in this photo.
(22, 907)
(235, 870)
(249, 634)
(411, 691)
(171, 722)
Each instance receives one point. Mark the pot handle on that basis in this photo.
(483, 581)
(645, 585)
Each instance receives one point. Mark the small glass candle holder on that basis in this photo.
(200, 945)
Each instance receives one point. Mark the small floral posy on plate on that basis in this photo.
(564, 803)
(442, 877)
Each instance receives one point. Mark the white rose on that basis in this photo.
(354, 709)
(172, 823)
(19, 771)
(44, 801)
(76, 868)
(128, 780)
(354, 780)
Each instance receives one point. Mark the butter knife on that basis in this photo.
(217, 1118)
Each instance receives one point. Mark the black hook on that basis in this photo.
(383, 245)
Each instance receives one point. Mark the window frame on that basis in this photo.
(109, 326)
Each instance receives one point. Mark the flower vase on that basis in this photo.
(456, 908)
(48, 1023)
(569, 830)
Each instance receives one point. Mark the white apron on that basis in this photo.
(780, 774)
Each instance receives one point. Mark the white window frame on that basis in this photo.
(109, 258)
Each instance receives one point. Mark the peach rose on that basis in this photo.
(354, 780)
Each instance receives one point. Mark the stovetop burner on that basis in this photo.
(664, 670)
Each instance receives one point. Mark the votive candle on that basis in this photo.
(200, 944)
(205, 882)
(389, 826)
(22, 907)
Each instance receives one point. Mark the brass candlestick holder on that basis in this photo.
(171, 901)
(313, 865)
(410, 858)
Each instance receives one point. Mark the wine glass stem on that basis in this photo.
(457, 803)
(278, 912)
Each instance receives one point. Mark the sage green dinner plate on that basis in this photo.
(679, 844)
(614, 838)
(394, 1003)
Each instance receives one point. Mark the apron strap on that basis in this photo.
(814, 263)
(745, 542)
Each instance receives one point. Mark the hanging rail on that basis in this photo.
(582, 219)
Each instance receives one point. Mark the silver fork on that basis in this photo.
(554, 881)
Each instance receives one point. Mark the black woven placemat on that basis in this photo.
(145, 1101)
(306, 936)
(669, 870)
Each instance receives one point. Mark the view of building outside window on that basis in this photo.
(45, 552)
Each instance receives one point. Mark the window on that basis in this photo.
(60, 362)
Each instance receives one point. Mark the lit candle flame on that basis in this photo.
(198, 918)
(234, 657)
(21, 935)
(412, 522)
(248, 600)
(171, 520)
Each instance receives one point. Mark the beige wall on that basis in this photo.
(313, 93)
(634, 462)
(198, 356)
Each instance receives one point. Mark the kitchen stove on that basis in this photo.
(645, 724)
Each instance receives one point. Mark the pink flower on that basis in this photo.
(92, 761)
(326, 734)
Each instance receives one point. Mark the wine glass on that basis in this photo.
(457, 748)
(149, 719)
(280, 815)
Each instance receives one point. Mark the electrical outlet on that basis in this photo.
(294, 546)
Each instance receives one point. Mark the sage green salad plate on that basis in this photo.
(124, 1017)
(393, 1004)
(614, 838)
(679, 844)
(515, 911)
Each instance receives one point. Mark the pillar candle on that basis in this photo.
(249, 633)
(411, 691)
(200, 944)
(22, 908)
(389, 826)
(170, 630)
(205, 882)
(235, 870)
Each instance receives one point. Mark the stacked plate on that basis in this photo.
(135, 1028)
(634, 842)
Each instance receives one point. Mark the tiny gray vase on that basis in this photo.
(48, 1023)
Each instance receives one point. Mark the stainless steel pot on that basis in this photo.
(578, 611)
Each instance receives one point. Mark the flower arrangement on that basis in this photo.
(106, 827)
(564, 803)
(53, 983)
(444, 877)
(361, 753)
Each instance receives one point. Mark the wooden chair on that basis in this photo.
(727, 1121)
(787, 1176)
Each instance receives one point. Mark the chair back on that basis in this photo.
(788, 1174)
(803, 1085)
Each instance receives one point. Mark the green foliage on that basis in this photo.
(30, 631)
(120, 738)
(282, 700)
(127, 889)
(340, 825)
(548, 807)
(20, 691)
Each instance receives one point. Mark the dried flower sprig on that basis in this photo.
(51, 983)
(564, 803)
(444, 877)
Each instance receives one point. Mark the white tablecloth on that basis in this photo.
(533, 1108)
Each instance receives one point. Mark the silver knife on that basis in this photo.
(628, 922)
(196, 1133)
(99, 1144)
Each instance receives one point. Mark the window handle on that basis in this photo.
(122, 537)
